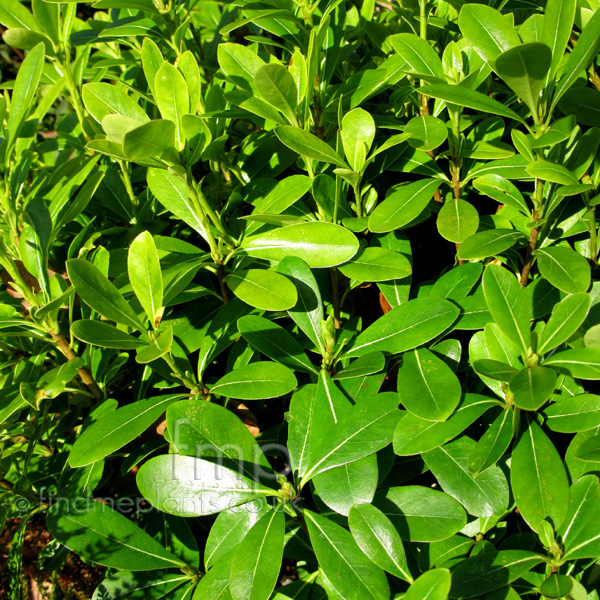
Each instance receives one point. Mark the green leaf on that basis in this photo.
(256, 381)
(417, 54)
(549, 171)
(378, 539)
(580, 533)
(350, 573)
(488, 31)
(275, 342)
(209, 431)
(306, 144)
(106, 537)
(257, 560)
(342, 487)
(173, 193)
(494, 369)
(149, 140)
(490, 571)
(103, 99)
(580, 57)
(421, 514)
(277, 86)
(172, 99)
(582, 363)
(432, 585)
(104, 335)
(492, 445)
(190, 487)
(532, 386)
(365, 365)
(571, 415)
(156, 348)
(319, 244)
(14, 14)
(567, 317)
(457, 220)
(229, 529)
(152, 60)
(426, 132)
(239, 64)
(403, 205)
(506, 302)
(556, 30)
(100, 294)
(583, 104)
(414, 435)
(301, 422)
(377, 264)
(524, 69)
(143, 267)
(188, 66)
(538, 479)
(556, 586)
(140, 585)
(564, 268)
(34, 241)
(350, 434)
(26, 83)
(357, 133)
(427, 386)
(307, 313)
(484, 496)
(462, 96)
(118, 428)
(489, 242)
(267, 290)
(405, 327)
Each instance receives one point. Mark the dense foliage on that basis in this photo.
(299, 298)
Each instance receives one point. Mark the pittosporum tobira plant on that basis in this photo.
(299, 299)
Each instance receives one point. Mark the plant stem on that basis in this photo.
(192, 385)
(335, 297)
(533, 238)
(84, 374)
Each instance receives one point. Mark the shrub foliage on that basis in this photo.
(299, 297)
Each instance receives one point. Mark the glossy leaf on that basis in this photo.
(118, 428)
(421, 514)
(564, 268)
(538, 479)
(143, 267)
(532, 386)
(100, 294)
(274, 341)
(318, 244)
(402, 206)
(256, 381)
(405, 327)
(348, 570)
(376, 264)
(489, 242)
(255, 564)
(483, 496)
(427, 386)
(378, 539)
(267, 290)
(187, 487)
(505, 301)
(306, 144)
(104, 536)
